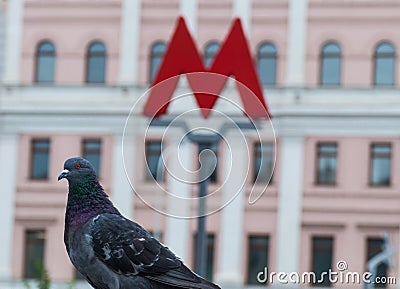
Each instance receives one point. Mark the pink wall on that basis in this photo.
(371, 22)
(350, 211)
(40, 204)
(71, 26)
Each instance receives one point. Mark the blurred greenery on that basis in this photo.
(44, 281)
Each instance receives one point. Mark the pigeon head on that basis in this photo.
(76, 169)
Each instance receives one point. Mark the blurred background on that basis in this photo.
(71, 70)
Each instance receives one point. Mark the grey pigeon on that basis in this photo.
(109, 250)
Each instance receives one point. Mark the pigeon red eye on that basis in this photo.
(77, 166)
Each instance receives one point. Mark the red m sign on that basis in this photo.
(182, 57)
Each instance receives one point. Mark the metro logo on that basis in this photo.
(233, 58)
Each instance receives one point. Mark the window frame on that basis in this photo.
(148, 176)
(327, 55)
(40, 54)
(313, 238)
(371, 158)
(215, 147)
(317, 168)
(267, 55)
(259, 152)
(32, 150)
(384, 56)
(367, 240)
(25, 252)
(207, 55)
(211, 244)
(154, 55)
(90, 54)
(268, 238)
(84, 151)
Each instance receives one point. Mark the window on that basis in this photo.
(330, 64)
(40, 159)
(96, 63)
(45, 62)
(210, 255)
(92, 152)
(384, 57)
(156, 56)
(214, 148)
(266, 61)
(263, 162)
(374, 247)
(258, 257)
(209, 53)
(34, 253)
(322, 250)
(380, 164)
(153, 153)
(326, 163)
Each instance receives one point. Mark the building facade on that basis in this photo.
(72, 71)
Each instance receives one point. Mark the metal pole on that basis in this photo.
(201, 239)
(207, 141)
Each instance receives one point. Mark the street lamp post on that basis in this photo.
(206, 142)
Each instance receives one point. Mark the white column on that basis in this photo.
(8, 155)
(2, 36)
(289, 205)
(129, 43)
(188, 9)
(13, 42)
(122, 192)
(230, 249)
(297, 39)
(177, 235)
(242, 10)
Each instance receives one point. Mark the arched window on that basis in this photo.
(331, 56)
(96, 63)
(210, 51)
(45, 62)
(384, 58)
(156, 56)
(266, 63)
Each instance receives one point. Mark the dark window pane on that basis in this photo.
(322, 248)
(326, 164)
(267, 60)
(96, 63)
(330, 64)
(34, 253)
(258, 257)
(380, 164)
(214, 148)
(153, 153)
(384, 64)
(40, 159)
(263, 162)
(374, 247)
(156, 56)
(209, 53)
(45, 62)
(210, 255)
(92, 152)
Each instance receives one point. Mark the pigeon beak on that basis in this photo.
(63, 174)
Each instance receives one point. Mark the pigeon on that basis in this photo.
(111, 251)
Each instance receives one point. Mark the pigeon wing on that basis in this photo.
(128, 249)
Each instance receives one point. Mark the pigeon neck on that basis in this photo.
(86, 199)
